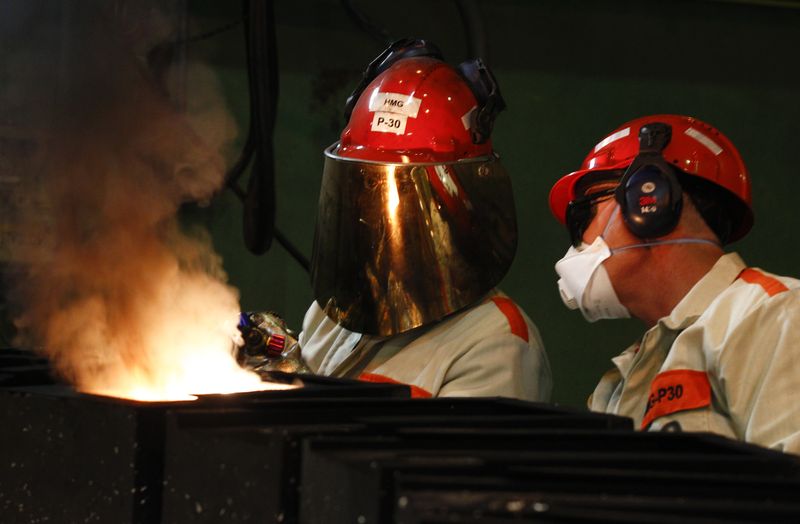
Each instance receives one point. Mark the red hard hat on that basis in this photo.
(696, 148)
(418, 110)
(416, 215)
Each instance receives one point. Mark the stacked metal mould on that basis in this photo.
(70, 457)
(343, 451)
(256, 454)
(545, 475)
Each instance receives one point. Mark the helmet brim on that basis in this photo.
(563, 191)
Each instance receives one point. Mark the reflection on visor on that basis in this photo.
(398, 246)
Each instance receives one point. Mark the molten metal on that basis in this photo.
(183, 373)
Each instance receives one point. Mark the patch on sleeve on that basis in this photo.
(416, 391)
(515, 319)
(771, 285)
(676, 390)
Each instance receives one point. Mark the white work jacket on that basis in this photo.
(726, 360)
(490, 349)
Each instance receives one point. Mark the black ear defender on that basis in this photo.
(490, 102)
(649, 194)
(476, 73)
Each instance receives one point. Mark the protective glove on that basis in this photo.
(268, 344)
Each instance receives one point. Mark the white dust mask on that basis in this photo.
(584, 282)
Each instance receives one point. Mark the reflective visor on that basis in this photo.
(398, 246)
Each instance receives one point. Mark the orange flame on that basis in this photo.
(205, 371)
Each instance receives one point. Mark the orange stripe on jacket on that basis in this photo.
(771, 285)
(416, 391)
(676, 390)
(515, 320)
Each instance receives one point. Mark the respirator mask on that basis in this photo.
(584, 283)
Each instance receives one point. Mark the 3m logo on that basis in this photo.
(676, 390)
(647, 200)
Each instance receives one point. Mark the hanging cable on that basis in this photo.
(258, 151)
(259, 199)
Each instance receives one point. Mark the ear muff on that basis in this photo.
(649, 194)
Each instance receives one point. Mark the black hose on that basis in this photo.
(259, 202)
(262, 74)
(282, 239)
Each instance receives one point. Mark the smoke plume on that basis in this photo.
(121, 297)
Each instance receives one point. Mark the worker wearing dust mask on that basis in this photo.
(648, 213)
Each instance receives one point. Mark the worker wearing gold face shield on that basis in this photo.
(416, 227)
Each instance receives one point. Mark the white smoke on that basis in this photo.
(116, 293)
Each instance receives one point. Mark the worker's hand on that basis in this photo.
(264, 335)
(268, 344)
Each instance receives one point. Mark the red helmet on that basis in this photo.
(696, 149)
(416, 217)
(417, 111)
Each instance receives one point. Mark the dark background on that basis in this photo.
(570, 71)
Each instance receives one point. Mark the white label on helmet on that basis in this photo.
(466, 120)
(703, 139)
(389, 123)
(612, 138)
(394, 103)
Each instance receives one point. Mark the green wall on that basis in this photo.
(570, 71)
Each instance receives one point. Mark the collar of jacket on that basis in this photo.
(708, 288)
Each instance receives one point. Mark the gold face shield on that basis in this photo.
(398, 246)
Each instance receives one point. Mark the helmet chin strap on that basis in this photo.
(687, 240)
